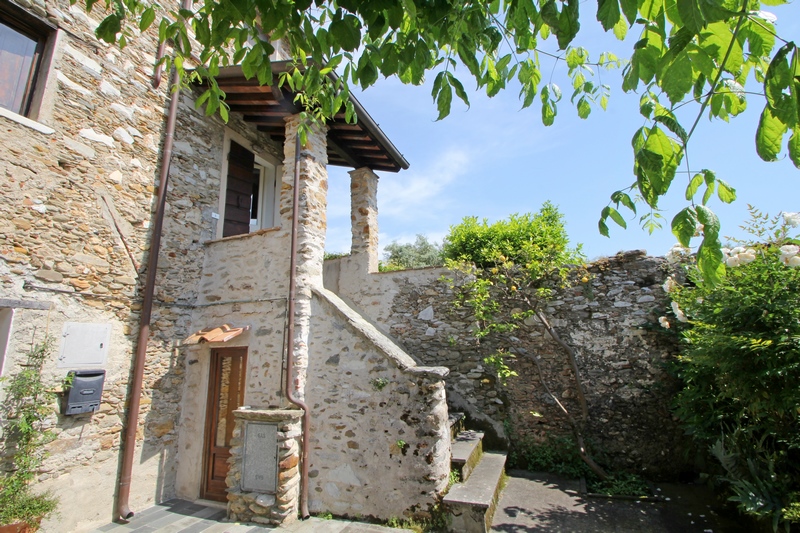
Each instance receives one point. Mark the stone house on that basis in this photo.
(126, 214)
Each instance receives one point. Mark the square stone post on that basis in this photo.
(364, 218)
(312, 224)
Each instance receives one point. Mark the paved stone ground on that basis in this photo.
(544, 502)
(530, 502)
(180, 516)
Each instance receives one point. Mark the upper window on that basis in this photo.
(250, 192)
(23, 39)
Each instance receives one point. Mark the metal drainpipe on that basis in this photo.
(290, 333)
(134, 397)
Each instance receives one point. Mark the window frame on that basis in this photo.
(36, 106)
(266, 163)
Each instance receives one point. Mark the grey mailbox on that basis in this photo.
(85, 391)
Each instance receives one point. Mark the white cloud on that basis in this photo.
(415, 195)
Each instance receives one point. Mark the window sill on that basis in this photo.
(243, 235)
(32, 124)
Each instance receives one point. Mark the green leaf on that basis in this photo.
(346, 32)
(621, 29)
(769, 135)
(148, 17)
(620, 197)
(691, 15)
(717, 10)
(684, 225)
(760, 37)
(108, 29)
(444, 99)
(725, 192)
(778, 76)
(709, 253)
(548, 113)
(410, 8)
(693, 186)
(609, 211)
(716, 39)
(603, 227)
(584, 108)
(608, 13)
(794, 148)
(661, 156)
(630, 8)
(459, 88)
(673, 125)
(710, 187)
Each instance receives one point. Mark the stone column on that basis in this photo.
(310, 231)
(364, 217)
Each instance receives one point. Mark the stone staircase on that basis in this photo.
(472, 502)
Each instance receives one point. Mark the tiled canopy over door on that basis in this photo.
(241, 191)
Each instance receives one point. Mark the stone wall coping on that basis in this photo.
(369, 332)
(241, 236)
(268, 415)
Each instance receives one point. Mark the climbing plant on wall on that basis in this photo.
(514, 265)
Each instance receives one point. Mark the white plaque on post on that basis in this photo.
(260, 458)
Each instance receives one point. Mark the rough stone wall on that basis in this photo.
(379, 435)
(281, 507)
(75, 217)
(607, 320)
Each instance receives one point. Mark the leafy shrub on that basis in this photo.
(538, 242)
(740, 367)
(26, 405)
(556, 455)
(510, 264)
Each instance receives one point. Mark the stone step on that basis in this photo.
(466, 450)
(455, 422)
(472, 504)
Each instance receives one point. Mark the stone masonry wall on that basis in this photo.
(379, 434)
(611, 320)
(75, 216)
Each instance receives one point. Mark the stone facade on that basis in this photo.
(611, 321)
(78, 186)
(79, 181)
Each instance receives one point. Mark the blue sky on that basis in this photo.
(495, 159)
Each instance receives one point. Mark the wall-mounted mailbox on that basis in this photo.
(85, 392)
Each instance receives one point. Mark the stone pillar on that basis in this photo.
(310, 232)
(276, 507)
(364, 217)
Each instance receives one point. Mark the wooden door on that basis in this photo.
(225, 394)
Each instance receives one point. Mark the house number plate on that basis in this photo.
(260, 461)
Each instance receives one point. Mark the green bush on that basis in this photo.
(740, 367)
(27, 403)
(538, 242)
(510, 264)
(556, 455)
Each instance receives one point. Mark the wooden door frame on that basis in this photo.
(212, 413)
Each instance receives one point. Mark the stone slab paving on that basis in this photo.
(180, 516)
(544, 502)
